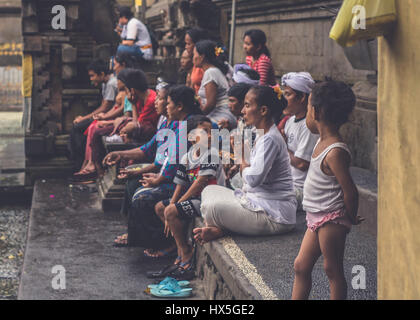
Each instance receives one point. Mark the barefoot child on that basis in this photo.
(330, 196)
(199, 168)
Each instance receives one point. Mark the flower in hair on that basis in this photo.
(218, 51)
(278, 90)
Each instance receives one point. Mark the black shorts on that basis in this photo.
(188, 209)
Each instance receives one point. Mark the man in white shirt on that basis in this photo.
(300, 141)
(135, 37)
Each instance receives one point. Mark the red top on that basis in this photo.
(196, 77)
(264, 67)
(148, 118)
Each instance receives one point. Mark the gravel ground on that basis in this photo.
(13, 228)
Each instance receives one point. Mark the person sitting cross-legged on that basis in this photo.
(266, 204)
(198, 169)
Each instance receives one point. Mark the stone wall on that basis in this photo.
(298, 38)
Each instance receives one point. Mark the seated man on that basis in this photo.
(100, 75)
(300, 141)
(135, 37)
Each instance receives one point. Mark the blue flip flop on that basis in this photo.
(171, 290)
(168, 280)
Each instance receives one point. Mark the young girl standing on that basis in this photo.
(330, 196)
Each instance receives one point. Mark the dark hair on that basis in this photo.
(125, 12)
(195, 121)
(133, 79)
(251, 73)
(258, 37)
(239, 91)
(334, 100)
(266, 96)
(99, 66)
(197, 34)
(208, 49)
(181, 94)
(128, 60)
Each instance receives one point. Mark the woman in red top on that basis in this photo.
(191, 38)
(143, 124)
(258, 56)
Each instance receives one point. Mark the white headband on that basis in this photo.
(300, 81)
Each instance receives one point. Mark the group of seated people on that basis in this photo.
(289, 156)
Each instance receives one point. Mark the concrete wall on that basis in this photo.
(297, 36)
(399, 154)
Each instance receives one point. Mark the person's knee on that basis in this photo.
(332, 270)
(300, 267)
(159, 208)
(171, 213)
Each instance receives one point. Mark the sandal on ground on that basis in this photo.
(164, 253)
(171, 290)
(185, 271)
(121, 241)
(169, 280)
(162, 273)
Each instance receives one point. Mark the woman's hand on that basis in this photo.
(233, 171)
(117, 123)
(125, 174)
(99, 116)
(148, 181)
(223, 124)
(111, 158)
(78, 119)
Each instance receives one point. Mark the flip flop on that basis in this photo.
(171, 290)
(168, 280)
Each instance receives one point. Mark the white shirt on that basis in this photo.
(322, 193)
(221, 110)
(301, 142)
(137, 31)
(268, 181)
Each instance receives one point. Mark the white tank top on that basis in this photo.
(322, 193)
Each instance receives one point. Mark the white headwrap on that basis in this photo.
(241, 77)
(300, 81)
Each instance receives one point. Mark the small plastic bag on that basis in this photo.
(363, 19)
